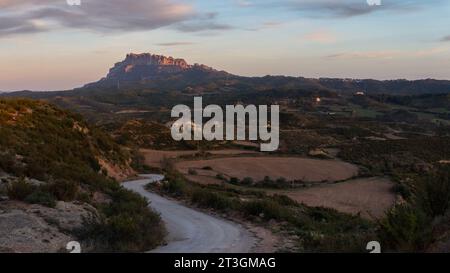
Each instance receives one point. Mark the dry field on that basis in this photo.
(369, 196)
(153, 158)
(290, 168)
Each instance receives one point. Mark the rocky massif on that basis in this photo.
(146, 66)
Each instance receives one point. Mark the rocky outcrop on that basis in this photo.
(116, 171)
(146, 67)
(151, 59)
(26, 228)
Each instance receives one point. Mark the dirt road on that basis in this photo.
(191, 231)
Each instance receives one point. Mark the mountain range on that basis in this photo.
(146, 82)
(152, 70)
(139, 71)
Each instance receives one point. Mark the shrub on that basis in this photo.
(124, 232)
(42, 198)
(247, 181)
(174, 185)
(405, 228)
(129, 225)
(280, 183)
(268, 209)
(208, 199)
(234, 181)
(64, 190)
(402, 189)
(284, 200)
(434, 193)
(20, 189)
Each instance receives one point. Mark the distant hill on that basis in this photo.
(395, 87)
(150, 82)
(161, 73)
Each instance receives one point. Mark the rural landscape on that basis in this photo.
(359, 160)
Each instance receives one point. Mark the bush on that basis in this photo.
(248, 181)
(234, 181)
(402, 189)
(280, 183)
(129, 225)
(205, 198)
(20, 189)
(64, 190)
(405, 228)
(266, 208)
(434, 193)
(175, 185)
(8, 163)
(42, 198)
(284, 200)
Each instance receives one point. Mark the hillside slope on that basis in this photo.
(53, 162)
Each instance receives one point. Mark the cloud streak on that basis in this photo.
(11, 26)
(17, 17)
(343, 8)
(445, 39)
(204, 22)
(364, 55)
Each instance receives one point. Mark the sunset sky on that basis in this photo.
(49, 45)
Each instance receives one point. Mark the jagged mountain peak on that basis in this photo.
(148, 68)
(153, 59)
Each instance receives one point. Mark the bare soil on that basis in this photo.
(153, 158)
(290, 168)
(370, 197)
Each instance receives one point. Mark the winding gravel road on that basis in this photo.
(191, 231)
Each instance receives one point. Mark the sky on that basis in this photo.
(51, 45)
